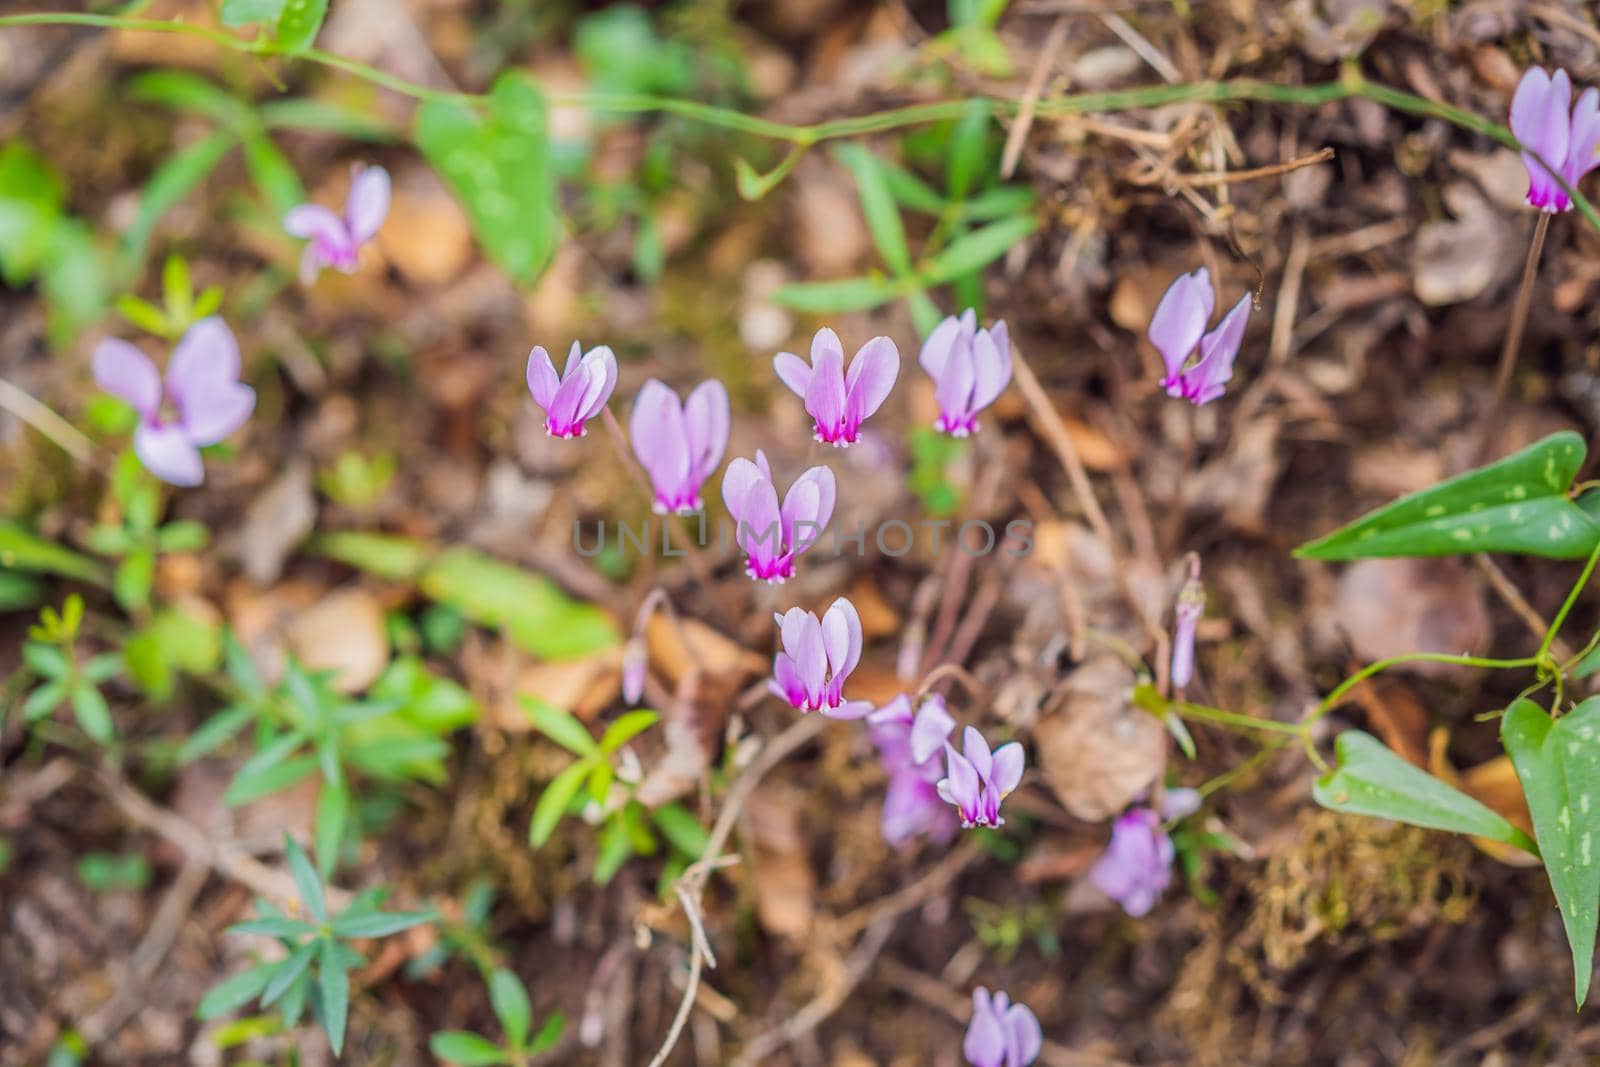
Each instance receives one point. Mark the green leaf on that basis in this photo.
(553, 803)
(911, 190)
(978, 249)
(134, 577)
(1370, 779)
(172, 181)
(235, 992)
(306, 882)
(273, 175)
(969, 149)
(467, 1050)
(681, 829)
(106, 871)
(379, 924)
(877, 204)
(500, 168)
(536, 615)
(560, 726)
(615, 848)
(185, 535)
(435, 704)
(90, 709)
(190, 92)
(299, 22)
(1558, 763)
(554, 1026)
(144, 315)
(334, 983)
(1518, 504)
(511, 1006)
(628, 726)
(215, 731)
(292, 967)
(25, 551)
(1588, 665)
(47, 661)
(324, 116)
(399, 559)
(43, 700)
(333, 816)
(19, 592)
(843, 294)
(273, 926)
(243, 12)
(999, 202)
(253, 786)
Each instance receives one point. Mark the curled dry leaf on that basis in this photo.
(1098, 752)
(344, 633)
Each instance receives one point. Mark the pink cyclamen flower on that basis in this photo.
(909, 745)
(1191, 605)
(977, 781)
(773, 537)
(1135, 868)
(578, 394)
(1547, 130)
(818, 655)
(635, 665)
(1001, 1034)
(201, 402)
(679, 444)
(837, 401)
(336, 240)
(969, 367)
(1179, 326)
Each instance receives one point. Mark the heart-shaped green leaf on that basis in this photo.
(1371, 780)
(1519, 504)
(1558, 762)
(499, 166)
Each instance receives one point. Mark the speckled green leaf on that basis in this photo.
(299, 23)
(1519, 504)
(1558, 762)
(1371, 780)
(499, 167)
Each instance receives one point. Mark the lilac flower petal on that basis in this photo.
(1024, 1038)
(600, 365)
(786, 680)
(953, 389)
(985, 1041)
(825, 395)
(930, 729)
(635, 666)
(793, 372)
(763, 466)
(660, 440)
(976, 750)
(316, 223)
(123, 370)
(1584, 138)
(207, 354)
(808, 502)
(1181, 318)
(561, 416)
(574, 357)
(1008, 764)
(896, 712)
(811, 658)
(736, 482)
(991, 360)
(1179, 803)
(706, 414)
(871, 378)
(850, 709)
(758, 524)
(791, 625)
(212, 412)
(936, 349)
(543, 381)
(1218, 350)
(961, 783)
(368, 203)
(841, 637)
(167, 452)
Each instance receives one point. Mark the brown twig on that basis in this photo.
(1508, 592)
(52, 427)
(1030, 97)
(1519, 322)
(1212, 179)
(937, 878)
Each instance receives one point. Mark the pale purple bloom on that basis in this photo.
(578, 394)
(201, 402)
(1179, 802)
(336, 240)
(635, 665)
(1191, 605)
(1547, 130)
(818, 655)
(772, 537)
(1001, 1034)
(838, 401)
(1136, 867)
(1179, 326)
(679, 444)
(909, 745)
(969, 367)
(977, 781)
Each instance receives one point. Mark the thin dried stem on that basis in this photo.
(1519, 319)
(52, 427)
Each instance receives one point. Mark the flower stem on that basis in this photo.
(1519, 317)
(1331, 701)
(1566, 606)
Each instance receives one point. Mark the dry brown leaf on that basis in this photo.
(785, 887)
(1399, 718)
(1097, 751)
(1493, 784)
(581, 686)
(426, 236)
(712, 652)
(1414, 605)
(344, 633)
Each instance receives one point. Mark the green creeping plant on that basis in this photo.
(315, 972)
(50, 653)
(1524, 504)
(509, 999)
